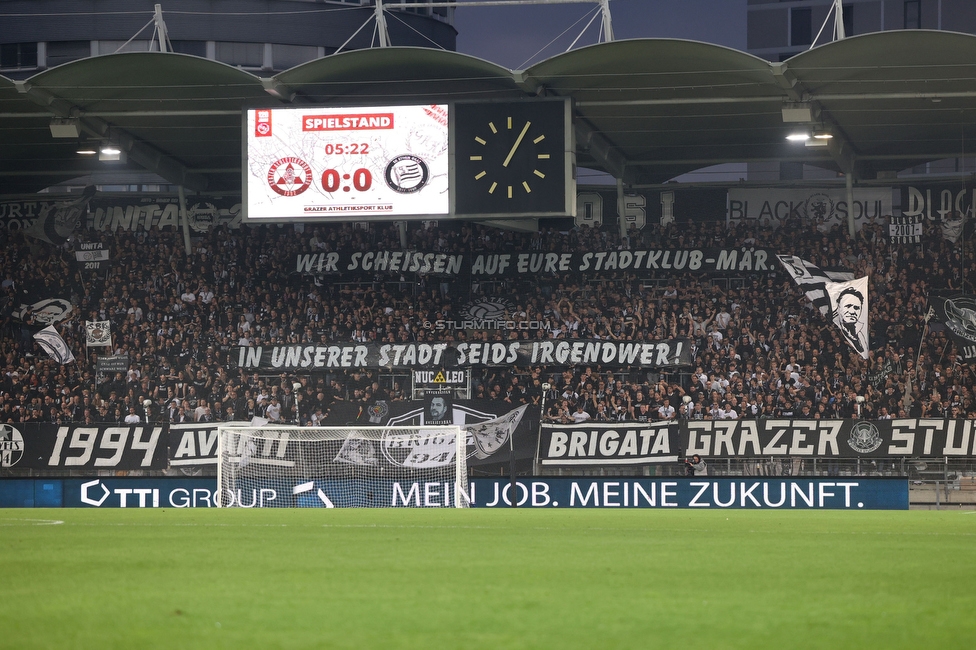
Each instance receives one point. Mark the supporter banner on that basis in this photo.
(596, 207)
(555, 352)
(905, 230)
(878, 377)
(938, 201)
(959, 315)
(98, 333)
(618, 443)
(49, 446)
(117, 363)
(910, 437)
(772, 493)
(194, 445)
(91, 256)
(118, 213)
(142, 213)
(643, 262)
(826, 206)
(487, 424)
(21, 214)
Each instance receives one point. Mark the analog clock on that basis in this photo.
(510, 158)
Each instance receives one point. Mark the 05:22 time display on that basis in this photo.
(352, 149)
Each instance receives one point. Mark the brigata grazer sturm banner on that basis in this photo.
(522, 354)
(908, 437)
(617, 443)
(746, 260)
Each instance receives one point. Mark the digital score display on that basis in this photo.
(346, 163)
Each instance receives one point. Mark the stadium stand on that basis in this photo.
(760, 350)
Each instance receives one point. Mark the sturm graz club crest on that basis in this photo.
(864, 438)
(407, 174)
(487, 309)
(11, 446)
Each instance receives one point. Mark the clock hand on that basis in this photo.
(518, 141)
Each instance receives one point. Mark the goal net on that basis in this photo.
(341, 467)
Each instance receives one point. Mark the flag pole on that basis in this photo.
(925, 330)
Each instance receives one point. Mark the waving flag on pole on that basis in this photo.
(812, 279)
(57, 221)
(49, 339)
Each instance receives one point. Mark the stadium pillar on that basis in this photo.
(185, 219)
(513, 487)
(621, 219)
(850, 205)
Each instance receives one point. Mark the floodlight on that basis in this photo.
(62, 127)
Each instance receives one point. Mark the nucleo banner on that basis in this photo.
(346, 163)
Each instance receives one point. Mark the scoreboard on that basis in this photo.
(361, 163)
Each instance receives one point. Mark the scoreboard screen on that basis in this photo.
(346, 164)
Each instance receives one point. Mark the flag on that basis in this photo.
(849, 311)
(812, 279)
(57, 221)
(49, 339)
(98, 333)
(45, 311)
(959, 315)
(952, 226)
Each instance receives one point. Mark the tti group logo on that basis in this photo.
(11, 446)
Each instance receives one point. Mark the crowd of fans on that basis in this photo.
(759, 348)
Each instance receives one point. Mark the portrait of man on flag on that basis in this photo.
(849, 311)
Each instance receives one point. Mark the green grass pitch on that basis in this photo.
(486, 579)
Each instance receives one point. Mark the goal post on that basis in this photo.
(341, 467)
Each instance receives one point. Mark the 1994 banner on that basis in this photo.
(48, 446)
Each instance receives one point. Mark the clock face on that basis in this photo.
(510, 158)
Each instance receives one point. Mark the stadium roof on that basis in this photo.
(647, 110)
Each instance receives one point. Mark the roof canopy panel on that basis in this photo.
(646, 110)
(393, 74)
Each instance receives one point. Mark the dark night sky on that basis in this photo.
(511, 35)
